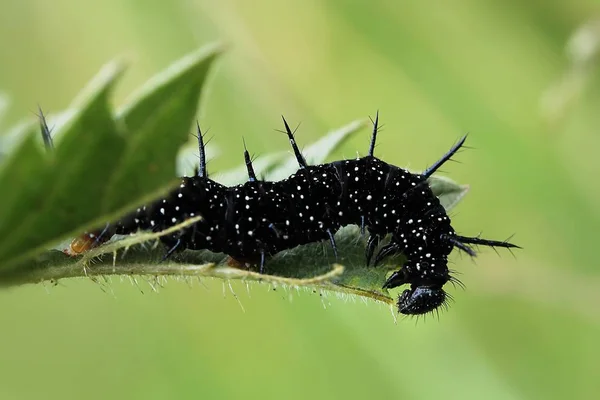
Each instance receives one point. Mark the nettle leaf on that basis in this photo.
(312, 265)
(448, 191)
(102, 165)
(51, 194)
(157, 123)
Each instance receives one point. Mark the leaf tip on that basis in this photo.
(101, 83)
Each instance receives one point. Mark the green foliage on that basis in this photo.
(102, 165)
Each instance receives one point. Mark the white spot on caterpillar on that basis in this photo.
(162, 211)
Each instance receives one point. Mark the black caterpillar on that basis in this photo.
(257, 219)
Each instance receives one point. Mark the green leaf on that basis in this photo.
(448, 191)
(50, 194)
(100, 167)
(157, 122)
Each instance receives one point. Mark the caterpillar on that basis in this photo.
(257, 219)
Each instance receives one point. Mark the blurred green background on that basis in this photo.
(521, 76)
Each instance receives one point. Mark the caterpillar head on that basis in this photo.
(421, 299)
(426, 277)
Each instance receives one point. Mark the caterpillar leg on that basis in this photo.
(297, 153)
(333, 245)
(272, 227)
(172, 249)
(429, 171)
(387, 250)
(371, 245)
(262, 261)
(396, 279)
